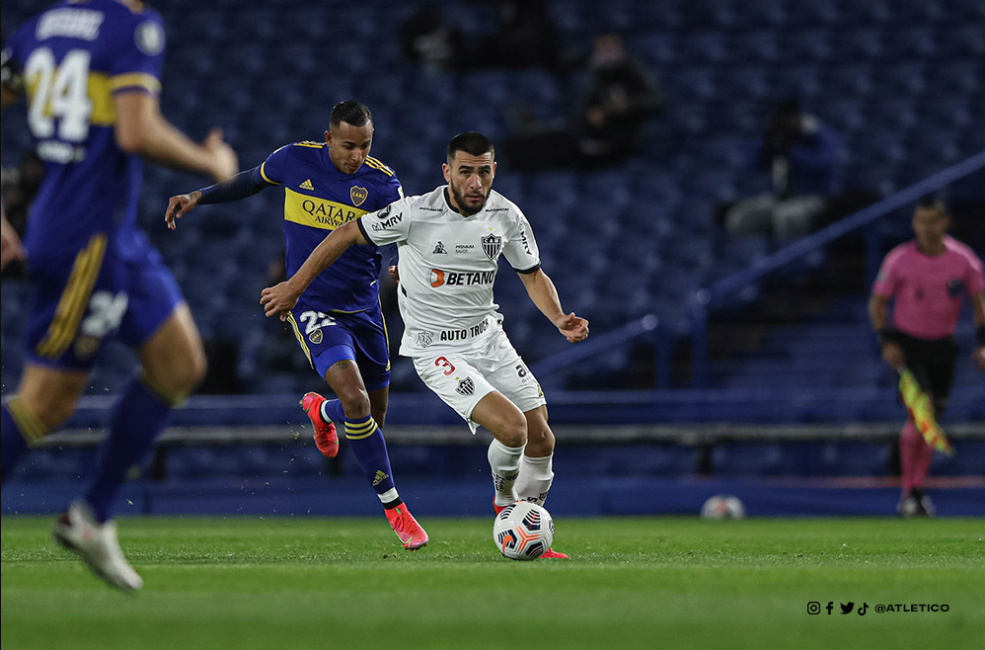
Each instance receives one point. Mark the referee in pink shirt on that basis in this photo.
(926, 278)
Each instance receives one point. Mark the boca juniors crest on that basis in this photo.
(492, 246)
(358, 195)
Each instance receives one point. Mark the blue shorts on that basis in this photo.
(329, 337)
(116, 286)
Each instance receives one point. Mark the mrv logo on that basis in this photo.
(466, 279)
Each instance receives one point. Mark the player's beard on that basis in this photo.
(463, 207)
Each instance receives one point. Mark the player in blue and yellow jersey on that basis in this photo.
(90, 70)
(338, 321)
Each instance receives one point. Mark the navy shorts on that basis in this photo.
(329, 337)
(115, 286)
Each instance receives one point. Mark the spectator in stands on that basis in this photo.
(926, 278)
(427, 40)
(804, 157)
(525, 36)
(621, 96)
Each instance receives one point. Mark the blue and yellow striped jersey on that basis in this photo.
(318, 198)
(71, 60)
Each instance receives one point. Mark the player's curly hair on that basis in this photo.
(350, 112)
(471, 142)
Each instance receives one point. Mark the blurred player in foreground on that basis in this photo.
(91, 73)
(338, 321)
(927, 278)
(450, 241)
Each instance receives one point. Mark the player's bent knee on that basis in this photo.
(513, 433)
(355, 403)
(540, 441)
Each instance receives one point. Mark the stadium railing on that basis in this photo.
(648, 326)
(706, 299)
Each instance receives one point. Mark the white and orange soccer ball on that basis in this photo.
(723, 506)
(523, 531)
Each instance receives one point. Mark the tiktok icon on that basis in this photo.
(863, 609)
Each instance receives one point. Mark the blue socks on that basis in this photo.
(369, 447)
(331, 410)
(20, 428)
(139, 417)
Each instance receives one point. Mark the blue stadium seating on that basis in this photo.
(901, 81)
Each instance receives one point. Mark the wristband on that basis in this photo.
(981, 336)
(886, 335)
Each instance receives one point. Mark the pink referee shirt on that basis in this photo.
(928, 289)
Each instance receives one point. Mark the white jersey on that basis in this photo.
(448, 265)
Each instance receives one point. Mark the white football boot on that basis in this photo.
(78, 531)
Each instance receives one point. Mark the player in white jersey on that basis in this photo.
(449, 242)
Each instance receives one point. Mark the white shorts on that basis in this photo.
(463, 376)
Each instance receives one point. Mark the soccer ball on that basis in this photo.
(723, 506)
(523, 531)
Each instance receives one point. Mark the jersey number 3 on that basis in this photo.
(58, 92)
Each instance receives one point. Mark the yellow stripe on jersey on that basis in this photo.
(28, 424)
(386, 334)
(316, 212)
(301, 341)
(376, 164)
(263, 172)
(99, 93)
(135, 80)
(101, 96)
(72, 305)
(310, 144)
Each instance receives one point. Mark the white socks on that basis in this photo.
(505, 464)
(534, 481)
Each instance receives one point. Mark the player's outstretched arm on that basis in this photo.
(543, 293)
(240, 186)
(281, 298)
(142, 129)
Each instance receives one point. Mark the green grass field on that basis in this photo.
(631, 583)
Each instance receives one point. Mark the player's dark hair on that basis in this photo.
(471, 142)
(933, 202)
(350, 112)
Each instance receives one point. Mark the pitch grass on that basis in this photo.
(632, 583)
